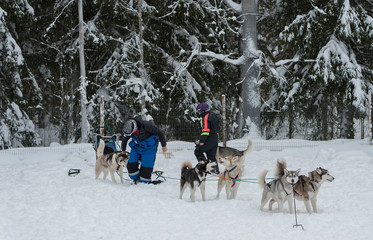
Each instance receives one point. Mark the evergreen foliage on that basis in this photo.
(315, 65)
(322, 87)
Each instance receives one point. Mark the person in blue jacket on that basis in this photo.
(144, 144)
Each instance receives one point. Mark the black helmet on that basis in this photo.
(203, 107)
(130, 126)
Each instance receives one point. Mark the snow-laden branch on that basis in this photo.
(223, 57)
(294, 60)
(235, 6)
(55, 20)
(182, 74)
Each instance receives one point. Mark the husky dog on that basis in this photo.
(228, 152)
(307, 188)
(230, 177)
(280, 189)
(110, 162)
(195, 177)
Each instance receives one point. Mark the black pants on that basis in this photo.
(209, 148)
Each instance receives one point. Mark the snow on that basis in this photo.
(40, 201)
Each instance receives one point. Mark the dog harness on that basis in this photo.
(233, 179)
(270, 184)
(287, 194)
(196, 175)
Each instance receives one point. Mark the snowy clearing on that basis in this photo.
(40, 201)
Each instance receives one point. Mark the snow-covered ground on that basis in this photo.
(38, 200)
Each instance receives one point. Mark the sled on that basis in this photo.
(111, 143)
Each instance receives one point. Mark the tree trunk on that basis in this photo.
(142, 67)
(249, 70)
(324, 118)
(83, 91)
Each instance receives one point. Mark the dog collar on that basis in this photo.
(232, 169)
(117, 163)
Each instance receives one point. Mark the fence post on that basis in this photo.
(102, 116)
(224, 120)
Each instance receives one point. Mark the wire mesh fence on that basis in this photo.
(181, 130)
(175, 146)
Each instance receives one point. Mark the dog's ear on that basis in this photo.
(235, 159)
(286, 171)
(298, 171)
(319, 171)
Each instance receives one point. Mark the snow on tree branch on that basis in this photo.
(235, 6)
(223, 57)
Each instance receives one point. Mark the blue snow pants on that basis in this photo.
(144, 153)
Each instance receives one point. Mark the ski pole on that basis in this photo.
(295, 211)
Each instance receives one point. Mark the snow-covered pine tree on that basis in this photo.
(314, 47)
(180, 36)
(19, 92)
(177, 76)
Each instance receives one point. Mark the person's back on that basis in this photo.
(208, 141)
(144, 145)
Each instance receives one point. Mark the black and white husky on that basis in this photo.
(110, 162)
(195, 177)
(280, 189)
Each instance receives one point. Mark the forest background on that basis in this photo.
(288, 68)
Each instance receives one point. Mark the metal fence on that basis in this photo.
(174, 146)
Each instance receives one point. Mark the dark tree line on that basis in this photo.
(314, 65)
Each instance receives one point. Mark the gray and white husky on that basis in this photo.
(279, 189)
(307, 188)
(110, 162)
(232, 153)
(230, 178)
(195, 177)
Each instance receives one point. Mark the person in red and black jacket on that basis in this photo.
(208, 141)
(144, 145)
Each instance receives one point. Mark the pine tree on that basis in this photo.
(19, 92)
(323, 87)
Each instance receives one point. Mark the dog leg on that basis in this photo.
(97, 171)
(182, 189)
(270, 204)
(121, 174)
(280, 204)
(307, 204)
(291, 205)
(112, 177)
(314, 204)
(265, 199)
(105, 174)
(193, 194)
(235, 190)
(220, 185)
(202, 187)
(228, 187)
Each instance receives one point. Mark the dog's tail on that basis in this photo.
(280, 166)
(186, 165)
(262, 179)
(100, 149)
(250, 147)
